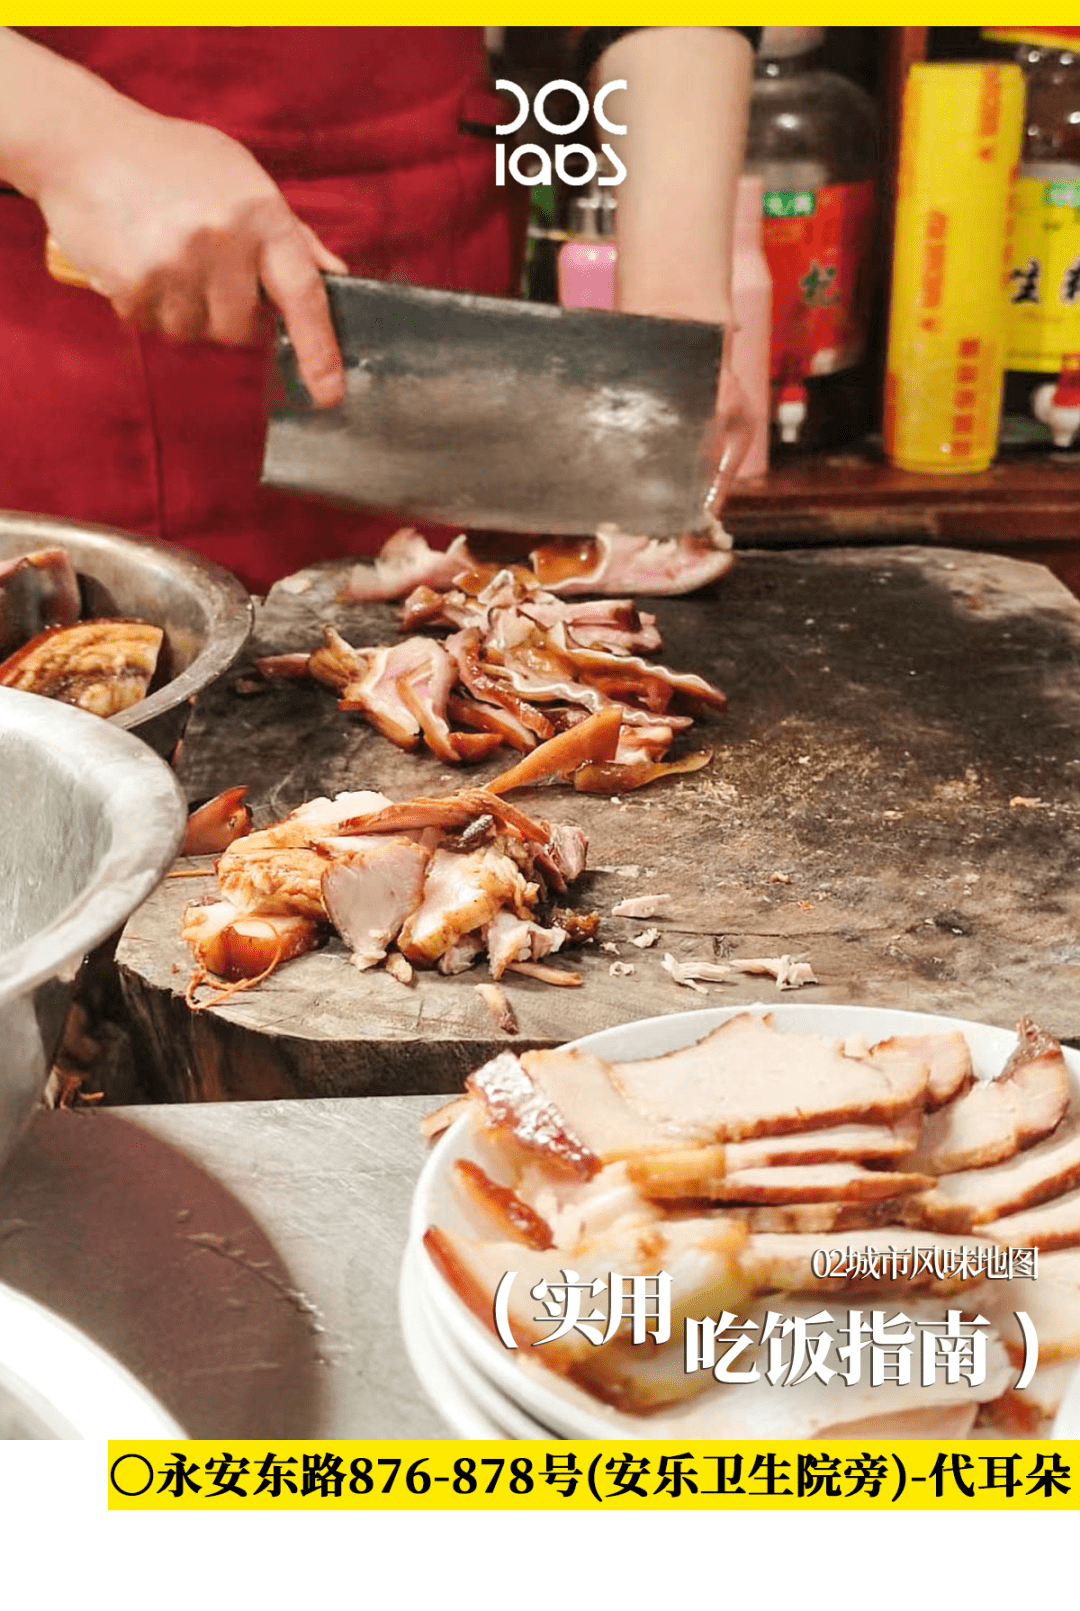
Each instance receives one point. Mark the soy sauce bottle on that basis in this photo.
(812, 141)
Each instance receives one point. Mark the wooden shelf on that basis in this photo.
(1026, 505)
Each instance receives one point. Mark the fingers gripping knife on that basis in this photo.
(496, 414)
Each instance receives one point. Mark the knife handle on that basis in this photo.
(63, 269)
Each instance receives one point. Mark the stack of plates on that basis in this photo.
(484, 1390)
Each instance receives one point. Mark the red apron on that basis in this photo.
(360, 128)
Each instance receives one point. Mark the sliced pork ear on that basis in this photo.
(336, 663)
(615, 562)
(1055, 1224)
(747, 1079)
(996, 1118)
(370, 892)
(398, 683)
(948, 1059)
(978, 1196)
(404, 562)
(526, 722)
(594, 739)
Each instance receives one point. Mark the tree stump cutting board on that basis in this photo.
(895, 791)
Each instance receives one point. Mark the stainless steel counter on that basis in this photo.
(240, 1258)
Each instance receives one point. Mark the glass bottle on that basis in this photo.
(1043, 359)
(812, 141)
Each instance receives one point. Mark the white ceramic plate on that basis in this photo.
(463, 1395)
(427, 1360)
(56, 1383)
(545, 1397)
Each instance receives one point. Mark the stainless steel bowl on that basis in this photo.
(204, 611)
(91, 821)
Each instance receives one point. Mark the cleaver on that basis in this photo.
(503, 415)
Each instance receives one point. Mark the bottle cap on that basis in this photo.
(778, 44)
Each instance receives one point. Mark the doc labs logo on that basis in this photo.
(563, 153)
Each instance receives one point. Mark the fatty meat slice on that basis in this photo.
(979, 1196)
(997, 1118)
(370, 892)
(748, 1079)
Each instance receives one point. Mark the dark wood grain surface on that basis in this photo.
(901, 749)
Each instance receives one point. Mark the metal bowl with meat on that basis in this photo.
(92, 820)
(174, 621)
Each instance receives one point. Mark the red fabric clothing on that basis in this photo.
(359, 126)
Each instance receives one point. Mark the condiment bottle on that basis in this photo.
(751, 303)
(947, 316)
(812, 142)
(1044, 272)
(586, 267)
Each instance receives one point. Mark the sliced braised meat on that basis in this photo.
(949, 1062)
(336, 663)
(518, 1109)
(747, 1079)
(462, 893)
(997, 1118)
(517, 939)
(370, 892)
(240, 945)
(1055, 1224)
(977, 1196)
(816, 1183)
(37, 591)
(701, 1256)
(1052, 1303)
(506, 1213)
(857, 1143)
(100, 666)
(213, 827)
(1026, 1414)
(528, 724)
(818, 1217)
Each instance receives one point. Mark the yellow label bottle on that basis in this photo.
(960, 141)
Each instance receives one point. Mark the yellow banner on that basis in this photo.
(456, 1475)
(838, 13)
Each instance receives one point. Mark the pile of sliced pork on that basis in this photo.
(102, 665)
(520, 665)
(730, 1164)
(427, 883)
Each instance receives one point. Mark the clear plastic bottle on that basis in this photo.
(1044, 291)
(812, 141)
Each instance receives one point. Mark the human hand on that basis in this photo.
(180, 228)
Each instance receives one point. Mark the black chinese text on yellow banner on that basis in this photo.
(456, 1475)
